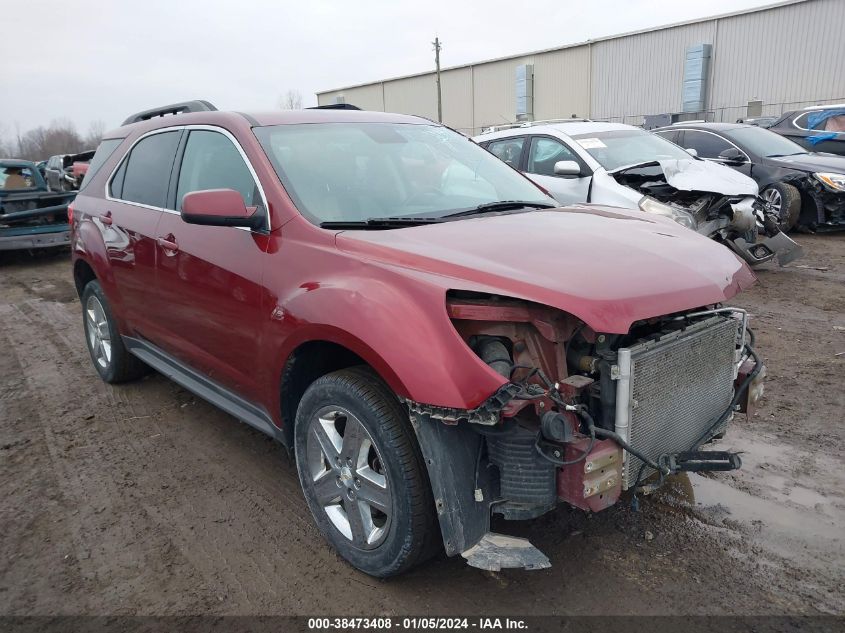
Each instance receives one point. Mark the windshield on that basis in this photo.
(17, 176)
(621, 148)
(763, 142)
(348, 172)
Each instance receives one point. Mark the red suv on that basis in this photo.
(433, 338)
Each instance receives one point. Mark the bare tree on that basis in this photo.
(292, 100)
(95, 134)
(42, 142)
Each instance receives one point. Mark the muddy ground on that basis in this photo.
(142, 499)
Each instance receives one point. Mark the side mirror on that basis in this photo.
(732, 156)
(219, 207)
(692, 151)
(567, 168)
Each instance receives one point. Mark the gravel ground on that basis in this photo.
(141, 499)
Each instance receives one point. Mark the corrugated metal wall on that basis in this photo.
(643, 74)
(788, 56)
(793, 55)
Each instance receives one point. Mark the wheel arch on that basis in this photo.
(311, 357)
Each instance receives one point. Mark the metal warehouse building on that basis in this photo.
(761, 61)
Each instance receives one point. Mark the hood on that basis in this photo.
(813, 161)
(607, 266)
(705, 175)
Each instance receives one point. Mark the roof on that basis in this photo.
(572, 45)
(278, 117)
(717, 127)
(17, 162)
(570, 129)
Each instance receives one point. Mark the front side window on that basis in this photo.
(707, 145)
(544, 153)
(211, 161)
(624, 148)
(144, 176)
(508, 150)
(363, 171)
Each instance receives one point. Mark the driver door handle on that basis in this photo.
(168, 243)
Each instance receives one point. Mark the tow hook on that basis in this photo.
(699, 461)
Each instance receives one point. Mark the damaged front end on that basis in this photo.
(581, 417)
(734, 215)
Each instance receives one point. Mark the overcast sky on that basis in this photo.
(88, 60)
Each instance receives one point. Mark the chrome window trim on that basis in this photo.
(795, 123)
(728, 141)
(176, 128)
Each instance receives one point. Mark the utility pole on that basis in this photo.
(437, 64)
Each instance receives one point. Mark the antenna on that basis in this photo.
(437, 47)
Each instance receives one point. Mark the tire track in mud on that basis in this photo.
(158, 441)
(168, 505)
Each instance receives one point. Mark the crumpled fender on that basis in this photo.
(402, 330)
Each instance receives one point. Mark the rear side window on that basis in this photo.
(707, 145)
(670, 135)
(144, 175)
(509, 150)
(211, 161)
(103, 153)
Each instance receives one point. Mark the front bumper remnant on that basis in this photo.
(779, 247)
(495, 552)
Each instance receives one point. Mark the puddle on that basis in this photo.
(806, 535)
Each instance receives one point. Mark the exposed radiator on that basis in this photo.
(673, 388)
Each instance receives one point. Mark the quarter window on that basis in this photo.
(103, 153)
(707, 145)
(544, 153)
(211, 161)
(509, 150)
(144, 176)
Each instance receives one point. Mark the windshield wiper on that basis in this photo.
(379, 223)
(501, 205)
(781, 155)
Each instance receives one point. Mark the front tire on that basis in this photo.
(111, 359)
(786, 202)
(363, 475)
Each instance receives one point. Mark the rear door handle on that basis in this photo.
(168, 244)
(106, 218)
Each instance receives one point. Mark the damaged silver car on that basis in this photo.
(579, 161)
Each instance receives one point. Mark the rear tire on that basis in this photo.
(109, 355)
(363, 475)
(786, 201)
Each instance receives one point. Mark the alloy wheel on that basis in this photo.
(99, 335)
(772, 196)
(348, 476)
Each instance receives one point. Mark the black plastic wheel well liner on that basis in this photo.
(83, 274)
(306, 364)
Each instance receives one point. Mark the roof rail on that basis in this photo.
(830, 106)
(334, 106)
(690, 121)
(510, 126)
(197, 105)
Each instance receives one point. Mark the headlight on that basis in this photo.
(650, 205)
(834, 181)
